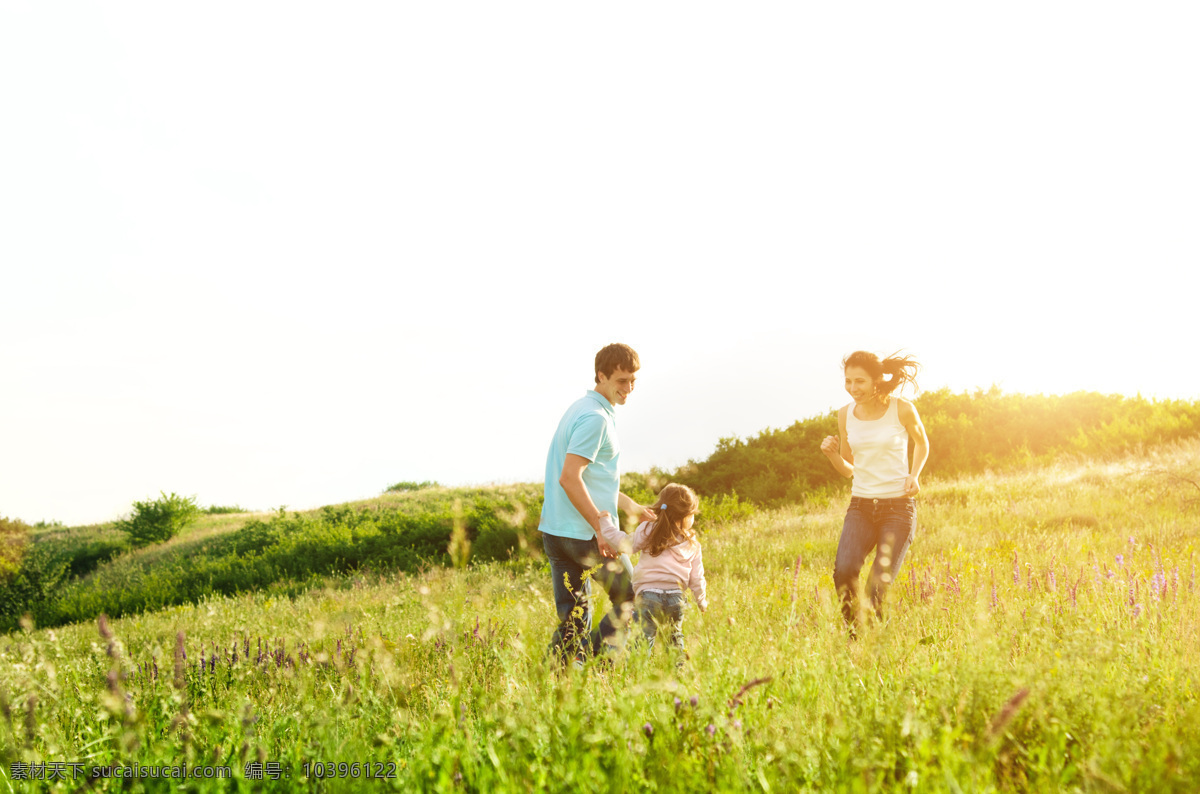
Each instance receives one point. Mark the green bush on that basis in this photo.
(154, 522)
(33, 585)
(222, 510)
(499, 544)
(408, 486)
(722, 509)
(14, 534)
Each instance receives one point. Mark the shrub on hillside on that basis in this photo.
(14, 534)
(407, 486)
(224, 510)
(159, 520)
(300, 548)
(35, 583)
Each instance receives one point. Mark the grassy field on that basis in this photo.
(1043, 636)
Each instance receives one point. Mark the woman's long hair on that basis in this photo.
(675, 503)
(898, 369)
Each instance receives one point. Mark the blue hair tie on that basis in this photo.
(664, 505)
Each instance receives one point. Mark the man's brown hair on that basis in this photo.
(616, 356)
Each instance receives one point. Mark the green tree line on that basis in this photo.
(970, 432)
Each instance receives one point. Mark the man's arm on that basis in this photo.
(632, 508)
(571, 481)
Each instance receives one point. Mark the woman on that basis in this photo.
(872, 448)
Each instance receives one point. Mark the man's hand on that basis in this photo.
(605, 549)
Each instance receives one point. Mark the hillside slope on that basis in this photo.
(1042, 636)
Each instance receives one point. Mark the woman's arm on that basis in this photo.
(916, 431)
(843, 463)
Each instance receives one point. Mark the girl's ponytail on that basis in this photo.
(675, 503)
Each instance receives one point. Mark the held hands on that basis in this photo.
(610, 540)
(605, 549)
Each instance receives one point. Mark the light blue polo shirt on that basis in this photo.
(587, 429)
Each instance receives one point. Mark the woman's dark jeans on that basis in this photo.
(570, 558)
(888, 524)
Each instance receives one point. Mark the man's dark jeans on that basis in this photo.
(570, 558)
(888, 524)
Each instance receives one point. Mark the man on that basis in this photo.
(583, 482)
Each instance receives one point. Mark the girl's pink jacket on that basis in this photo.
(677, 568)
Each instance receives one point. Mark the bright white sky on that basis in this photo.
(288, 253)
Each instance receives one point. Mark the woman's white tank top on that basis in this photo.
(880, 449)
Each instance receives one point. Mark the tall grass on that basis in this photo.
(1042, 637)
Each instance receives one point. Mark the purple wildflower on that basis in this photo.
(1016, 569)
(694, 700)
(795, 579)
(1158, 585)
(711, 730)
(678, 703)
(648, 729)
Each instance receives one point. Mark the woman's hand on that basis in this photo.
(830, 446)
(912, 486)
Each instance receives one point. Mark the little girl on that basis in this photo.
(669, 563)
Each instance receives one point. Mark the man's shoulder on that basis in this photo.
(587, 409)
